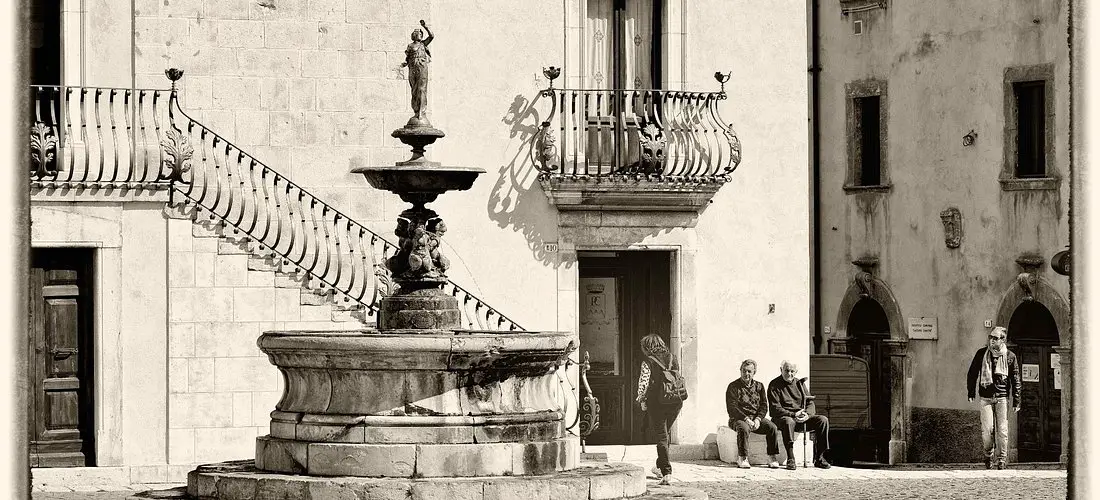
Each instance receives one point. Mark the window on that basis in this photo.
(45, 42)
(1030, 128)
(623, 42)
(870, 157)
(866, 131)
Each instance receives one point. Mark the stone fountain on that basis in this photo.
(419, 407)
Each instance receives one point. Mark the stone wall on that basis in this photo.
(221, 297)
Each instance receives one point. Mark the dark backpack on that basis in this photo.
(666, 384)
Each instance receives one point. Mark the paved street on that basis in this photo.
(722, 481)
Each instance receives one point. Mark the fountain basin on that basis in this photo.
(420, 177)
(418, 403)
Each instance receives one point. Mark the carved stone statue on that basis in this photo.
(417, 59)
(952, 227)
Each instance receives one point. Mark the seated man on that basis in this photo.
(746, 405)
(792, 413)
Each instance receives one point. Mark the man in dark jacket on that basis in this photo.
(995, 372)
(746, 404)
(792, 411)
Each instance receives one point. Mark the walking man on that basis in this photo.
(793, 412)
(996, 373)
(747, 404)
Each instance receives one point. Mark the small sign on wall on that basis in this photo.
(1029, 373)
(924, 328)
(1056, 365)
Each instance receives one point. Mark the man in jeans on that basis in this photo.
(996, 373)
(746, 404)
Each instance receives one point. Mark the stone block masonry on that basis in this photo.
(222, 297)
(287, 79)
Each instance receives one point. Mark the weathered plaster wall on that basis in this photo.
(944, 68)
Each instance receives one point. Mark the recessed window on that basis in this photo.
(867, 136)
(870, 150)
(1030, 128)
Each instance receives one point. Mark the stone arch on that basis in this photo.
(1029, 287)
(864, 285)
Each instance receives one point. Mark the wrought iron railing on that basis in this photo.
(83, 137)
(289, 224)
(121, 137)
(668, 134)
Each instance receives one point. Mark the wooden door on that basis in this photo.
(869, 328)
(61, 432)
(623, 297)
(1032, 335)
(1039, 422)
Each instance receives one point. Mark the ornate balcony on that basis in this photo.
(97, 138)
(640, 150)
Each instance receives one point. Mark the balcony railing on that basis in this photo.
(100, 138)
(666, 134)
(85, 137)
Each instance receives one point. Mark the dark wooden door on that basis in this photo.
(1039, 422)
(623, 297)
(869, 347)
(61, 432)
(1032, 335)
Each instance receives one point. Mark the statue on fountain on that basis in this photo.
(418, 132)
(417, 58)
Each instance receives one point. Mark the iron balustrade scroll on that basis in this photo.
(666, 134)
(286, 223)
(95, 137)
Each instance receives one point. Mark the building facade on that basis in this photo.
(943, 181)
(152, 281)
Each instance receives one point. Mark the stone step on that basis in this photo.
(262, 264)
(312, 297)
(227, 246)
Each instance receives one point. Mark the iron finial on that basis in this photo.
(722, 79)
(551, 72)
(173, 74)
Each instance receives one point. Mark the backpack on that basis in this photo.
(667, 384)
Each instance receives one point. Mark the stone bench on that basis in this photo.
(758, 447)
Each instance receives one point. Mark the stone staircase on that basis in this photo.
(316, 308)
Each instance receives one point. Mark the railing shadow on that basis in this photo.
(517, 202)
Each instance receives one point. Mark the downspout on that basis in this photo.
(815, 169)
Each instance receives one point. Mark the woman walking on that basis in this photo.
(660, 416)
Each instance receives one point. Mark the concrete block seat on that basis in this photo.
(758, 447)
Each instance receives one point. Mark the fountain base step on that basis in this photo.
(590, 481)
(415, 460)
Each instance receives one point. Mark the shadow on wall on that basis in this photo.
(517, 200)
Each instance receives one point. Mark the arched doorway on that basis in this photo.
(868, 335)
(1033, 335)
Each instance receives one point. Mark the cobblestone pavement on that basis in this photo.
(722, 481)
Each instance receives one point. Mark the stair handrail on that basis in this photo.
(179, 156)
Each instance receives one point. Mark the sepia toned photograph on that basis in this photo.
(547, 249)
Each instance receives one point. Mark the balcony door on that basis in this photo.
(622, 54)
(623, 297)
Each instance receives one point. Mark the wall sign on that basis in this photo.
(924, 327)
(1056, 366)
(1029, 373)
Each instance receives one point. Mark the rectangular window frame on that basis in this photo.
(1009, 178)
(853, 91)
